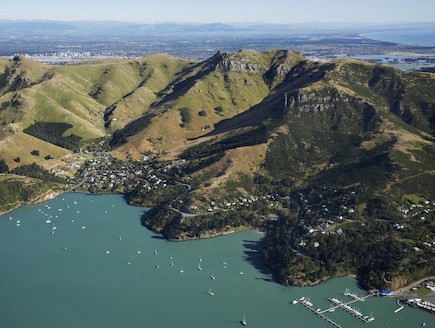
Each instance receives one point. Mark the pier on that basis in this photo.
(400, 307)
(338, 304)
(307, 304)
(345, 306)
(354, 296)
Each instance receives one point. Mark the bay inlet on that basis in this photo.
(85, 261)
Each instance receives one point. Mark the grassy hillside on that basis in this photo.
(93, 98)
(217, 89)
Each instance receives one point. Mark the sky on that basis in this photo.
(223, 11)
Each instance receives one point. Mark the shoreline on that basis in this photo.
(50, 194)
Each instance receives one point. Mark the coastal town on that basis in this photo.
(322, 210)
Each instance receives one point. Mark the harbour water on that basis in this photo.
(419, 37)
(85, 261)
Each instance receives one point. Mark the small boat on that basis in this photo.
(181, 270)
(157, 266)
(210, 292)
(172, 263)
(138, 251)
(83, 227)
(155, 251)
(241, 272)
(199, 265)
(128, 263)
(243, 321)
(65, 249)
(107, 252)
(212, 276)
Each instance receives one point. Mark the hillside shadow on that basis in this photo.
(252, 254)
(271, 106)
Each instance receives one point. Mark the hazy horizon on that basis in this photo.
(225, 11)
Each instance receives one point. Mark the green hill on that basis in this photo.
(93, 98)
(333, 160)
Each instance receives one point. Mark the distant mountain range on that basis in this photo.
(238, 127)
(127, 29)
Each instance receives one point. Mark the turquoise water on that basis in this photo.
(67, 278)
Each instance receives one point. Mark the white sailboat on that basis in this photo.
(210, 292)
(243, 321)
(181, 270)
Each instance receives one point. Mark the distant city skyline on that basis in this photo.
(224, 11)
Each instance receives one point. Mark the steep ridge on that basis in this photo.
(218, 88)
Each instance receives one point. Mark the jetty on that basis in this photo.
(338, 304)
(353, 311)
(400, 307)
(307, 304)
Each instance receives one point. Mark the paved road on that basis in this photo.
(404, 291)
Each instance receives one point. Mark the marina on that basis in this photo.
(338, 304)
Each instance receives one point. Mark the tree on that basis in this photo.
(4, 168)
(186, 116)
(219, 110)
